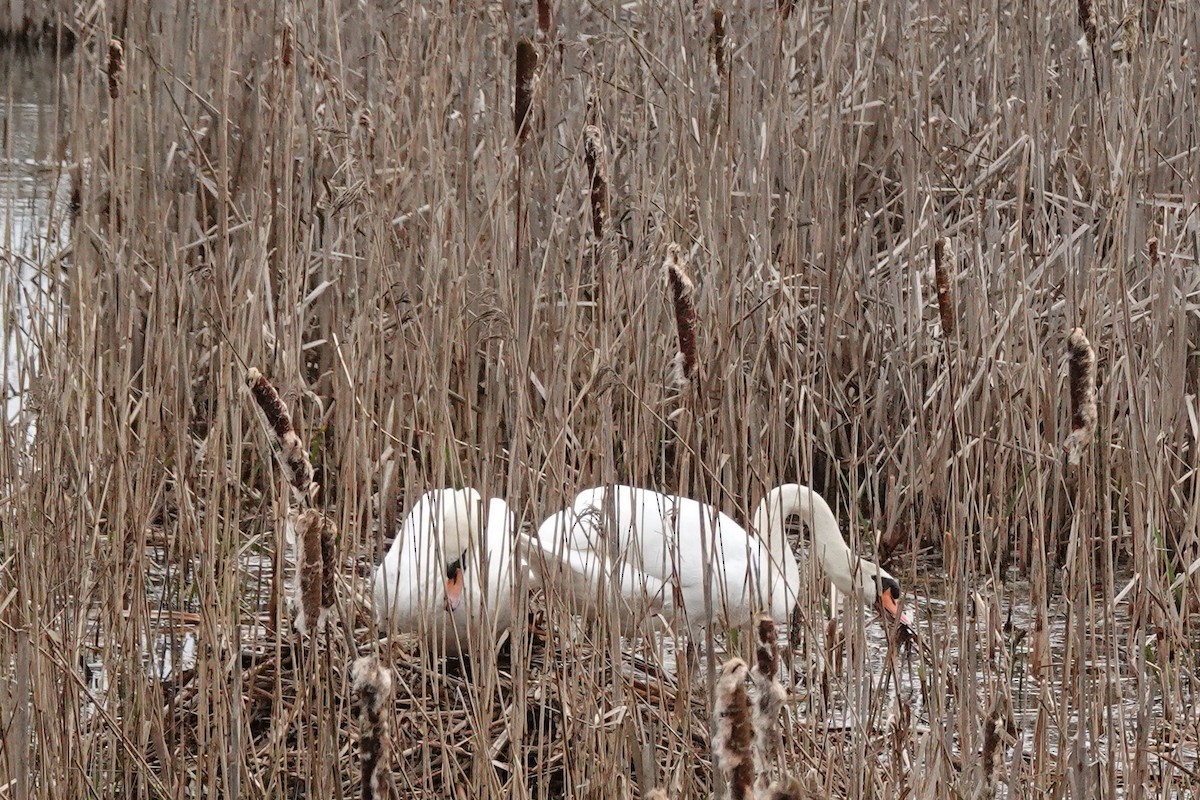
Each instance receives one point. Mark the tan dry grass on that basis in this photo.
(327, 190)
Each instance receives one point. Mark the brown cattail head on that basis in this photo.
(789, 789)
(545, 19)
(285, 46)
(527, 61)
(1152, 249)
(943, 268)
(1087, 21)
(290, 448)
(372, 687)
(1082, 379)
(116, 65)
(769, 699)
(716, 41)
(732, 729)
(314, 573)
(685, 314)
(593, 155)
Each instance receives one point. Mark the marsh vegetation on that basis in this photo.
(440, 230)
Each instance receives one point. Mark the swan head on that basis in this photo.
(456, 514)
(881, 591)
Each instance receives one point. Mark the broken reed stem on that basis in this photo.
(1082, 379)
(292, 455)
(769, 701)
(716, 41)
(315, 569)
(372, 687)
(943, 265)
(593, 155)
(733, 730)
(116, 65)
(685, 315)
(527, 61)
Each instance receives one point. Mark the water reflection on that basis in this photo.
(34, 197)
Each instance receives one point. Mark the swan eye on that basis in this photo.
(455, 567)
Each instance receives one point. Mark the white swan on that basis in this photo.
(661, 545)
(446, 577)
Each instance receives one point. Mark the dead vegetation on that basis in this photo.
(440, 232)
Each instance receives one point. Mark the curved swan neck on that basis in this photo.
(793, 498)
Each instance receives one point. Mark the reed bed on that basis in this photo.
(439, 232)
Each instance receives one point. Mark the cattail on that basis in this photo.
(769, 700)
(372, 686)
(789, 789)
(329, 564)
(716, 41)
(1083, 395)
(733, 731)
(992, 752)
(1152, 249)
(285, 46)
(544, 20)
(116, 65)
(1087, 21)
(314, 578)
(292, 454)
(943, 266)
(527, 60)
(593, 155)
(685, 315)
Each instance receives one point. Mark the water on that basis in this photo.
(34, 208)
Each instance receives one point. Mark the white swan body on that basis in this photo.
(447, 577)
(654, 548)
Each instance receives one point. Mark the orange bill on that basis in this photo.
(887, 602)
(454, 590)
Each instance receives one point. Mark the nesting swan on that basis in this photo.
(655, 552)
(450, 575)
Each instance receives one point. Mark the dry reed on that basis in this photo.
(231, 210)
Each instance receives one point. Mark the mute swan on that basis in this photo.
(662, 543)
(445, 577)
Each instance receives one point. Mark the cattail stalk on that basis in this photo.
(116, 65)
(943, 267)
(769, 698)
(685, 314)
(372, 686)
(292, 455)
(593, 155)
(527, 61)
(733, 730)
(1082, 374)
